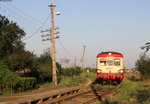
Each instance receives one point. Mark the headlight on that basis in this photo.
(99, 71)
(121, 71)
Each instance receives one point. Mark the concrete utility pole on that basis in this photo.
(75, 61)
(52, 40)
(83, 58)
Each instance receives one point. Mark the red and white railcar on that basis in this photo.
(110, 67)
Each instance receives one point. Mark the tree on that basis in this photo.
(10, 37)
(21, 61)
(44, 68)
(143, 66)
(12, 49)
(74, 71)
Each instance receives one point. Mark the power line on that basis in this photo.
(37, 29)
(24, 14)
(7, 14)
(65, 48)
(68, 52)
(58, 54)
(12, 11)
(29, 22)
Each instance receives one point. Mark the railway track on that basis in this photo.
(81, 97)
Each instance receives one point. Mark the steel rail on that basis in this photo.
(82, 97)
(101, 97)
(67, 97)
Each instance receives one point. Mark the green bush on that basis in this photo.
(12, 83)
(25, 83)
(71, 81)
(143, 66)
(72, 71)
(44, 73)
(7, 79)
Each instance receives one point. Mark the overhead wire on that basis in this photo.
(24, 14)
(9, 16)
(58, 54)
(33, 19)
(30, 20)
(17, 16)
(37, 29)
(65, 49)
(68, 53)
(16, 13)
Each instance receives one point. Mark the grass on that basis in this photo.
(133, 90)
(71, 81)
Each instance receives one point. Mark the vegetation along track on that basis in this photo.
(82, 97)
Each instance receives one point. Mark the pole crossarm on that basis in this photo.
(47, 30)
(46, 39)
(45, 35)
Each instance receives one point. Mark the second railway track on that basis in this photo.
(82, 97)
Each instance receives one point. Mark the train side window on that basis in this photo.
(102, 63)
(117, 62)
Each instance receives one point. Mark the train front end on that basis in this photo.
(110, 67)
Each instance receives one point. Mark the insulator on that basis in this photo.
(57, 32)
(56, 28)
(57, 37)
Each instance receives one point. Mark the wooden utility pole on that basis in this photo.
(52, 6)
(52, 41)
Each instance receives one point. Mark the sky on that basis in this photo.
(100, 25)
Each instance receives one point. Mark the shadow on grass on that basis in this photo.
(100, 98)
(95, 82)
(96, 93)
(107, 102)
(104, 83)
(135, 79)
(143, 95)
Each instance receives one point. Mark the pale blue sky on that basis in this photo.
(100, 25)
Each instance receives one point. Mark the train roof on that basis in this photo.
(109, 54)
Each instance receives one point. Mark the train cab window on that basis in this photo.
(117, 62)
(110, 62)
(102, 63)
